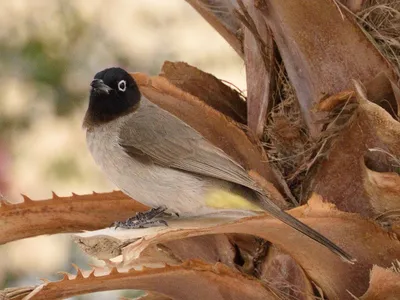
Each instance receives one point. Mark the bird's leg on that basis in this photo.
(135, 224)
(150, 214)
(143, 219)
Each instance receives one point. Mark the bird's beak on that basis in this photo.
(100, 86)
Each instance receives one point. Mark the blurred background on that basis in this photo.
(49, 52)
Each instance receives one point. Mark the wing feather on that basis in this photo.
(170, 142)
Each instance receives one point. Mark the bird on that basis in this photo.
(162, 162)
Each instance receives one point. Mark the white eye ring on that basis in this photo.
(122, 85)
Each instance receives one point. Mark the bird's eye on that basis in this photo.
(122, 85)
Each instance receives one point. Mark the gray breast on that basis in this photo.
(149, 184)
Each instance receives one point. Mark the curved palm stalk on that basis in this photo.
(323, 267)
(260, 60)
(207, 88)
(196, 279)
(64, 214)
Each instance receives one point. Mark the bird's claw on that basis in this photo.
(143, 219)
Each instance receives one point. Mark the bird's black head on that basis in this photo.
(114, 93)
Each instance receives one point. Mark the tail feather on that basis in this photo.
(305, 229)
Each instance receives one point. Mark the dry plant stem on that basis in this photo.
(64, 214)
(323, 267)
(15, 293)
(324, 61)
(323, 271)
(198, 280)
(195, 280)
(218, 15)
(259, 57)
(207, 88)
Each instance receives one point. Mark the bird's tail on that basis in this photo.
(305, 229)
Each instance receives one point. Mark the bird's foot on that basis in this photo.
(144, 219)
(135, 224)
